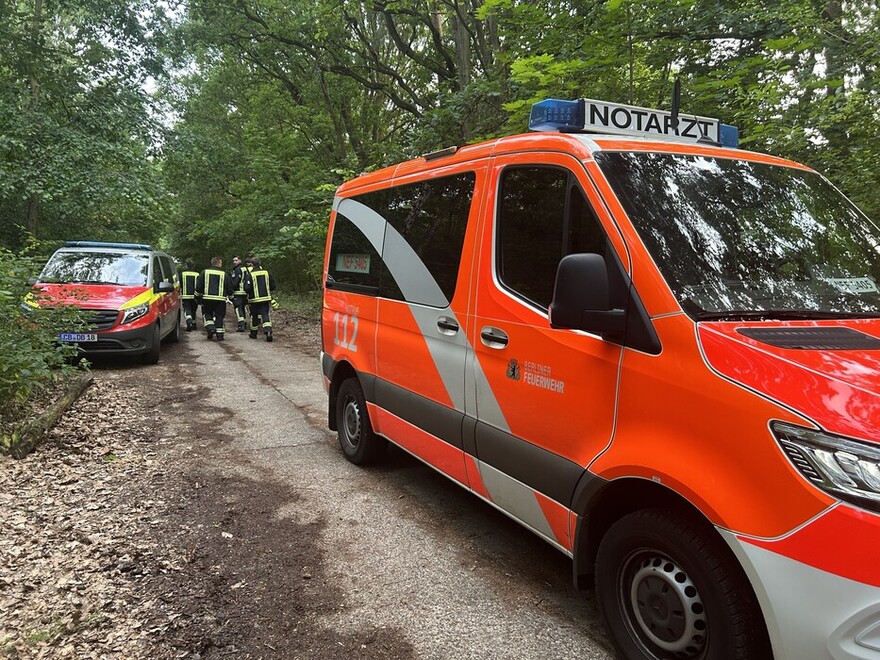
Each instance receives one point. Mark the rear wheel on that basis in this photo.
(152, 354)
(356, 438)
(669, 589)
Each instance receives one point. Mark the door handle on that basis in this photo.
(447, 326)
(494, 337)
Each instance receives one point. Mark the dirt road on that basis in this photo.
(273, 546)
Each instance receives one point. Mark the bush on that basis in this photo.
(31, 358)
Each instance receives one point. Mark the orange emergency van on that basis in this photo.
(658, 352)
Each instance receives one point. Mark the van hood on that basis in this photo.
(88, 296)
(828, 371)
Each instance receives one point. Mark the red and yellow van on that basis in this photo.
(658, 352)
(129, 291)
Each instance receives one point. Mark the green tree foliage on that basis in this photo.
(30, 356)
(292, 98)
(274, 103)
(799, 77)
(76, 133)
(284, 99)
(251, 177)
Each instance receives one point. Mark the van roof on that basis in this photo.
(580, 145)
(108, 246)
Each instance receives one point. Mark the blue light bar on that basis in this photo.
(588, 115)
(557, 115)
(729, 136)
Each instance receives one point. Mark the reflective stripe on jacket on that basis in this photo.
(215, 284)
(237, 275)
(188, 284)
(260, 290)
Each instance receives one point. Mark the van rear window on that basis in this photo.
(354, 262)
(404, 242)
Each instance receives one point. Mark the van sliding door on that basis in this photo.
(421, 345)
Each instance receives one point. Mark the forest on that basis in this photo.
(224, 126)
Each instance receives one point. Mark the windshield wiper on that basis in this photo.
(781, 315)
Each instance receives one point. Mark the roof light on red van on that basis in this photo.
(103, 244)
(587, 115)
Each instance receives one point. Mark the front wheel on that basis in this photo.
(152, 354)
(669, 589)
(356, 438)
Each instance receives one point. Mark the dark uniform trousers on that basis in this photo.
(214, 286)
(239, 296)
(259, 286)
(214, 312)
(188, 300)
(260, 316)
(239, 303)
(190, 309)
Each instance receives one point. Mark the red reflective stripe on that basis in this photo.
(443, 456)
(373, 412)
(475, 478)
(844, 541)
(557, 518)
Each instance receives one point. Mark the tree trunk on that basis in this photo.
(33, 215)
(462, 40)
(33, 212)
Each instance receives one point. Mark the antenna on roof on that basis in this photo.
(676, 102)
(673, 119)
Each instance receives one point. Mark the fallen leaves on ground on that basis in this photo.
(71, 555)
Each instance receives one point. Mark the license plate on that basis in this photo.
(77, 336)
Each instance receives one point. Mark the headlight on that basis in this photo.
(134, 313)
(846, 469)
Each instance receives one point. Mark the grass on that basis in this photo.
(61, 628)
(307, 304)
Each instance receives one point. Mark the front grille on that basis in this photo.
(101, 319)
(100, 345)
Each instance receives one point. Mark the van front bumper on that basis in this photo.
(131, 341)
(819, 587)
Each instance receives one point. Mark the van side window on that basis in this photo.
(157, 271)
(424, 229)
(542, 216)
(169, 273)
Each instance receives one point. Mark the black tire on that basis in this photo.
(174, 336)
(668, 588)
(356, 438)
(152, 354)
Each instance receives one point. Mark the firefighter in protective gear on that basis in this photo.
(259, 285)
(239, 297)
(189, 302)
(214, 285)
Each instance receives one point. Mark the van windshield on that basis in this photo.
(740, 239)
(97, 268)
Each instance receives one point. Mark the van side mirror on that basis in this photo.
(581, 298)
(165, 287)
